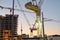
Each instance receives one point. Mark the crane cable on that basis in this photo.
(40, 3)
(24, 14)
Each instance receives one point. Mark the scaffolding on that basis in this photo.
(6, 28)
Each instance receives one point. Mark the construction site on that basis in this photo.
(9, 22)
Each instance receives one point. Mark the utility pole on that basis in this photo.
(43, 26)
(13, 8)
(12, 19)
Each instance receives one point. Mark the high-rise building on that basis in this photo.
(8, 27)
(1, 23)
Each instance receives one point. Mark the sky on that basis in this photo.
(50, 8)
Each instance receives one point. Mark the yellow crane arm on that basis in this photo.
(32, 7)
(37, 11)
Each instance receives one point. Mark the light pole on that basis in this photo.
(13, 8)
(43, 26)
(12, 20)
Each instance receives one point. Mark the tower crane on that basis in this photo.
(37, 11)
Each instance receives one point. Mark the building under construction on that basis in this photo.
(8, 27)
